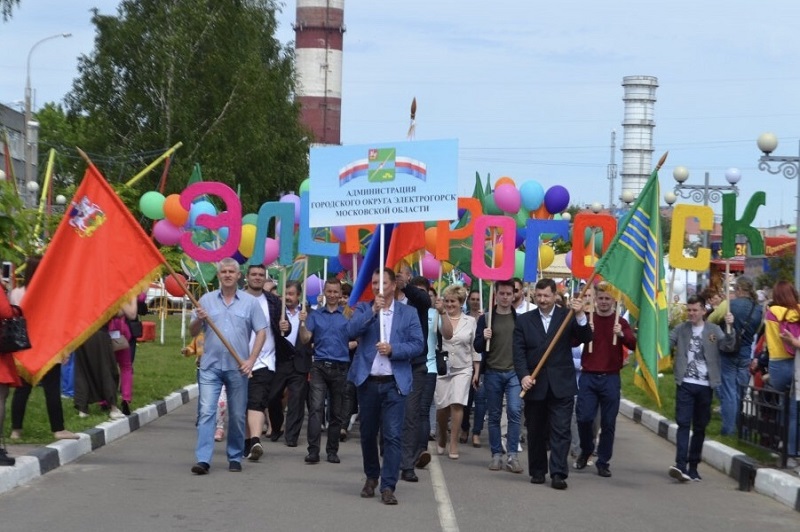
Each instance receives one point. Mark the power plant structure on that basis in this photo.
(637, 130)
(319, 33)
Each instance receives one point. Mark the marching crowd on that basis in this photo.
(542, 360)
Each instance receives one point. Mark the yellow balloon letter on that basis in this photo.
(676, 259)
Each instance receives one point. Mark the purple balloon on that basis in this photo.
(520, 237)
(556, 199)
(568, 260)
(313, 286)
(238, 257)
(346, 260)
(295, 200)
(166, 233)
(339, 232)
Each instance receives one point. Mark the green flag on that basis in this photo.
(634, 265)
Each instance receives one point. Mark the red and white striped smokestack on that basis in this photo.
(319, 31)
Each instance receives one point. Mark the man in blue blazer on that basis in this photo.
(381, 370)
(548, 399)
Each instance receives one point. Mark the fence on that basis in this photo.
(761, 421)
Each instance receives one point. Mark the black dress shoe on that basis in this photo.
(537, 479)
(423, 459)
(276, 435)
(603, 471)
(312, 458)
(409, 476)
(369, 488)
(200, 468)
(291, 444)
(333, 458)
(558, 483)
(582, 460)
(235, 467)
(387, 497)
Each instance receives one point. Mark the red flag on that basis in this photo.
(98, 258)
(407, 238)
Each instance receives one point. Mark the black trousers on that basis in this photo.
(326, 377)
(51, 384)
(557, 413)
(410, 449)
(287, 378)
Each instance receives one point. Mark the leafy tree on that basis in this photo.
(781, 268)
(62, 133)
(210, 74)
(7, 7)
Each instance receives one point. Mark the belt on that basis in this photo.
(600, 374)
(330, 363)
(381, 379)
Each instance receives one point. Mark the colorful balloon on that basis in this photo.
(556, 199)
(430, 239)
(546, 256)
(505, 180)
(172, 286)
(532, 195)
(568, 259)
(198, 208)
(295, 200)
(507, 198)
(271, 250)
(152, 205)
(250, 219)
(430, 266)
(166, 233)
(174, 211)
(305, 186)
(313, 287)
(490, 206)
(346, 260)
(248, 241)
(519, 263)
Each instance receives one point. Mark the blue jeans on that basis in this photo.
(598, 391)
(210, 383)
(496, 384)
(735, 373)
(692, 410)
(380, 404)
(781, 375)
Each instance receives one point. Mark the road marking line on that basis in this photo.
(447, 516)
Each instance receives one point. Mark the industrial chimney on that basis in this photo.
(319, 31)
(637, 128)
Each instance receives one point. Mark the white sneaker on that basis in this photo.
(679, 474)
(116, 413)
(82, 414)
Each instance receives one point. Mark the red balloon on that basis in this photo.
(172, 286)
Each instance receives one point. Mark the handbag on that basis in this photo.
(136, 328)
(120, 343)
(14, 332)
(441, 356)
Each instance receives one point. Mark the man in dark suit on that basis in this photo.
(549, 398)
(291, 373)
(389, 335)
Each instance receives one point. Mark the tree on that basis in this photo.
(209, 74)
(7, 7)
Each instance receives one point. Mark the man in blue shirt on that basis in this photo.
(326, 327)
(236, 314)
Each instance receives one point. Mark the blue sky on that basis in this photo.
(532, 90)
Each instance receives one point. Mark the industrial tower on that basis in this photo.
(319, 32)
(637, 129)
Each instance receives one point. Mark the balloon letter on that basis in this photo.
(306, 243)
(608, 224)
(732, 227)
(280, 211)
(508, 227)
(232, 219)
(705, 215)
(444, 234)
(536, 228)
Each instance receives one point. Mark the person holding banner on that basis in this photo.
(389, 335)
(326, 327)
(599, 383)
(235, 314)
(549, 398)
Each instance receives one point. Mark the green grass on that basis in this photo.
(158, 371)
(666, 391)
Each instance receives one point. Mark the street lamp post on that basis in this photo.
(706, 192)
(29, 124)
(789, 167)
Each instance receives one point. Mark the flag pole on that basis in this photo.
(555, 339)
(283, 291)
(728, 291)
(48, 174)
(303, 300)
(324, 280)
(382, 264)
(616, 319)
(152, 165)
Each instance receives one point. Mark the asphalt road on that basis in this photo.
(142, 483)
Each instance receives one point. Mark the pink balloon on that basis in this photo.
(295, 200)
(466, 279)
(271, 251)
(166, 233)
(430, 266)
(507, 198)
(346, 260)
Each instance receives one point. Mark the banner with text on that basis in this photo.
(384, 183)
